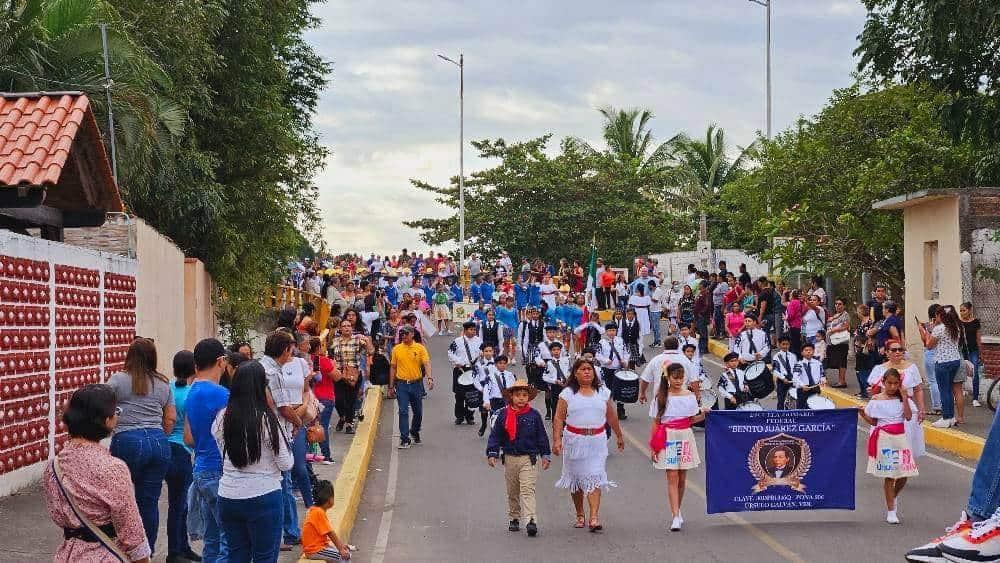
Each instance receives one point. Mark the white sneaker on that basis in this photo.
(675, 525)
(891, 517)
(981, 543)
(943, 423)
(976, 403)
(929, 552)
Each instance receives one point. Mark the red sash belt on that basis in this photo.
(659, 438)
(584, 431)
(895, 429)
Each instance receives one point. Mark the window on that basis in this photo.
(932, 271)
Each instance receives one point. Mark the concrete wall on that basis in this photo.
(932, 220)
(199, 311)
(674, 264)
(160, 293)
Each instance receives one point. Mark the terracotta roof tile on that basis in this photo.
(36, 134)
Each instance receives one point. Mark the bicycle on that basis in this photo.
(993, 395)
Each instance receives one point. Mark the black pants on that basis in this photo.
(345, 396)
(803, 397)
(552, 398)
(534, 374)
(461, 413)
(782, 389)
(795, 335)
(603, 298)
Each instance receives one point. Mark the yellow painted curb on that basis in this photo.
(354, 469)
(955, 441)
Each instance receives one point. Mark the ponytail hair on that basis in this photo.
(663, 392)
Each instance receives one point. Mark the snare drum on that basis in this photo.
(819, 402)
(750, 407)
(709, 398)
(759, 380)
(792, 399)
(467, 379)
(626, 387)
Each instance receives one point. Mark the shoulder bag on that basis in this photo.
(102, 538)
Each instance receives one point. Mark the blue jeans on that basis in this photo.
(289, 514)
(654, 323)
(146, 452)
(324, 420)
(178, 482)
(931, 379)
(720, 320)
(984, 498)
(863, 381)
(300, 472)
(252, 527)
(702, 333)
(205, 486)
(409, 395)
(944, 372)
(974, 358)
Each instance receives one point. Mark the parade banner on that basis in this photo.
(780, 460)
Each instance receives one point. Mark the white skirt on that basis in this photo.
(584, 463)
(893, 457)
(915, 433)
(681, 451)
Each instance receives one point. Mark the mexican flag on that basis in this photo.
(592, 277)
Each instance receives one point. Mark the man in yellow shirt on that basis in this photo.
(407, 368)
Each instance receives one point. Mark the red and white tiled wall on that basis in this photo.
(67, 316)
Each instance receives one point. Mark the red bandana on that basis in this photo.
(510, 422)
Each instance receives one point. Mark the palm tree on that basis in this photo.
(699, 170)
(629, 140)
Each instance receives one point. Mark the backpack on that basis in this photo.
(378, 374)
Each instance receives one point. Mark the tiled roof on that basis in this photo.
(36, 135)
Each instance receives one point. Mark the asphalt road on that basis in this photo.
(441, 502)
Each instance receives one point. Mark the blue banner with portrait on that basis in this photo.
(780, 460)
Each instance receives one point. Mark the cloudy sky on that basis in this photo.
(534, 67)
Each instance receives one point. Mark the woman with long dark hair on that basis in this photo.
(584, 408)
(944, 338)
(140, 437)
(255, 451)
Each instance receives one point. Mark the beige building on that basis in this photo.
(949, 239)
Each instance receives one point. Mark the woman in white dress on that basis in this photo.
(911, 382)
(548, 291)
(672, 441)
(584, 408)
(641, 302)
(889, 453)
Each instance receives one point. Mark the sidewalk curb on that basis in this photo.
(354, 469)
(954, 441)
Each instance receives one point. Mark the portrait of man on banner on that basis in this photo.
(779, 460)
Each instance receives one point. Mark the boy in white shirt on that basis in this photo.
(782, 365)
(808, 375)
(484, 371)
(499, 380)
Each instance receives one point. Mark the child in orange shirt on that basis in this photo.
(319, 541)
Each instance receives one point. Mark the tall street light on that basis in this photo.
(767, 7)
(461, 157)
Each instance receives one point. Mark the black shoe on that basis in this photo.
(482, 430)
(416, 436)
(470, 421)
(361, 416)
(513, 526)
(340, 425)
(349, 429)
(621, 412)
(458, 421)
(532, 529)
(548, 416)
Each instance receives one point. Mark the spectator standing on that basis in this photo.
(703, 314)
(944, 338)
(836, 355)
(204, 401)
(793, 316)
(719, 310)
(327, 373)
(179, 474)
(140, 436)
(972, 336)
(932, 310)
(891, 327)
(658, 297)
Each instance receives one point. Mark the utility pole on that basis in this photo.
(111, 114)
(461, 156)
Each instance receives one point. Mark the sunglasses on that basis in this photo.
(897, 349)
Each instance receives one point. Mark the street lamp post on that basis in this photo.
(767, 111)
(461, 155)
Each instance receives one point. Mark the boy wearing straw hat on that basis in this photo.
(518, 439)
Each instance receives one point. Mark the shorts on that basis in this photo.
(441, 313)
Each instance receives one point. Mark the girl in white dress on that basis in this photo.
(912, 384)
(672, 441)
(641, 302)
(889, 454)
(583, 410)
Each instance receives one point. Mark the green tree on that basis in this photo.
(824, 174)
(629, 141)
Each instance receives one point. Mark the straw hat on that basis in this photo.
(519, 385)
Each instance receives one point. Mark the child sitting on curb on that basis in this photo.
(518, 439)
(319, 541)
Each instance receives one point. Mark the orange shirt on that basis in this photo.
(607, 278)
(315, 530)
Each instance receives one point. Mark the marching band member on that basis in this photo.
(889, 454)
(542, 357)
(530, 333)
(807, 375)
(475, 289)
(732, 387)
(484, 371)
(752, 343)
(556, 371)
(672, 442)
(463, 353)
(499, 380)
(781, 367)
(630, 330)
(486, 290)
(506, 313)
(613, 356)
(590, 332)
(521, 297)
(492, 331)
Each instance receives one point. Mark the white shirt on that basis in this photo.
(484, 369)
(492, 390)
(657, 300)
(258, 478)
(673, 301)
(551, 374)
(680, 406)
(459, 355)
(779, 368)
(586, 412)
(812, 323)
(759, 341)
(285, 383)
(730, 382)
(618, 360)
(813, 367)
(887, 411)
(654, 370)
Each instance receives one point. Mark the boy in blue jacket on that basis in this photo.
(519, 440)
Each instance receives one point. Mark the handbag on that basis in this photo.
(838, 338)
(102, 538)
(315, 433)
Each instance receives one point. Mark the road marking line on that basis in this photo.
(764, 537)
(864, 430)
(385, 523)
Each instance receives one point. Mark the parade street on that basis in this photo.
(440, 502)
